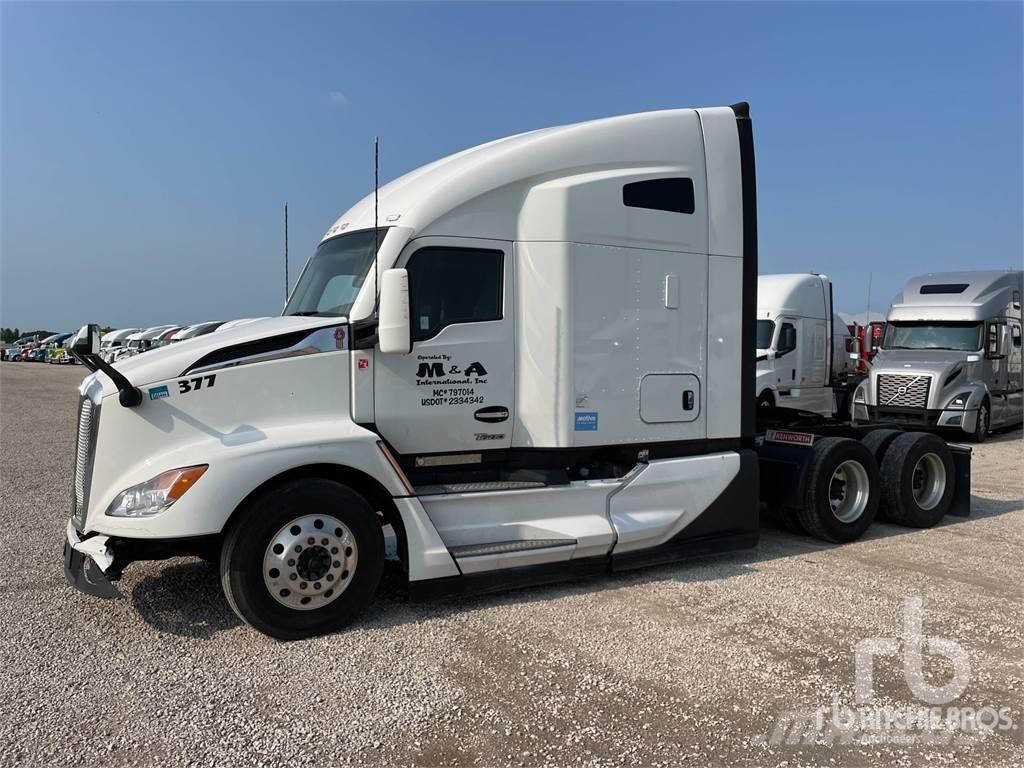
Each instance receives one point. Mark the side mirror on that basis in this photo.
(787, 341)
(1005, 340)
(87, 340)
(393, 332)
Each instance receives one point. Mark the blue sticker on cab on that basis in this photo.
(586, 421)
(155, 393)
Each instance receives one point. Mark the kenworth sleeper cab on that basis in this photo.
(554, 378)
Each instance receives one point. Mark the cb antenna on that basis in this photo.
(285, 251)
(376, 232)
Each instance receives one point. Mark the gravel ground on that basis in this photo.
(691, 663)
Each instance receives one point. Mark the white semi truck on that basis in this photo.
(803, 346)
(555, 378)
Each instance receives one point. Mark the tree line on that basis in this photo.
(10, 335)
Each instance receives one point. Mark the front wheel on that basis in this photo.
(981, 424)
(303, 559)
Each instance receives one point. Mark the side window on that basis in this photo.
(1016, 335)
(672, 195)
(453, 285)
(787, 338)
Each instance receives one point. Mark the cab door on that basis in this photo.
(787, 360)
(454, 391)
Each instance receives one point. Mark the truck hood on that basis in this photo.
(933, 361)
(173, 360)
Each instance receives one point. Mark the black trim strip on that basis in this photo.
(601, 462)
(249, 348)
(745, 131)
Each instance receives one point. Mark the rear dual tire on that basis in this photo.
(918, 479)
(841, 490)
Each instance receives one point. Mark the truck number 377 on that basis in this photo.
(193, 385)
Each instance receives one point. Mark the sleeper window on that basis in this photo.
(670, 195)
(453, 285)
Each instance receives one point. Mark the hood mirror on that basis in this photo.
(87, 340)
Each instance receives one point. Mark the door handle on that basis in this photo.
(688, 400)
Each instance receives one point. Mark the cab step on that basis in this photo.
(479, 487)
(504, 547)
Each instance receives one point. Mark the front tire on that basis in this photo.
(303, 559)
(982, 423)
(766, 400)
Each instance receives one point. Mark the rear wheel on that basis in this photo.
(841, 490)
(304, 559)
(878, 441)
(917, 480)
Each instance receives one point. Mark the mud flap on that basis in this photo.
(82, 573)
(962, 469)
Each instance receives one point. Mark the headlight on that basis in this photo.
(155, 495)
(960, 401)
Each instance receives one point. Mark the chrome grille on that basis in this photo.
(87, 413)
(903, 391)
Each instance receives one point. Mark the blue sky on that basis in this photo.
(147, 148)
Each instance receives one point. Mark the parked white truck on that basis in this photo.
(556, 378)
(950, 357)
(803, 347)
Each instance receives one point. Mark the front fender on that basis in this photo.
(979, 392)
(250, 424)
(235, 472)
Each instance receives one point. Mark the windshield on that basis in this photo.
(958, 336)
(765, 331)
(331, 280)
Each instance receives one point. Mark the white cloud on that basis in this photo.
(337, 98)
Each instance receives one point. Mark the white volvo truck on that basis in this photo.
(803, 346)
(555, 379)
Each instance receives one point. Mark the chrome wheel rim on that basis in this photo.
(848, 491)
(929, 481)
(309, 562)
